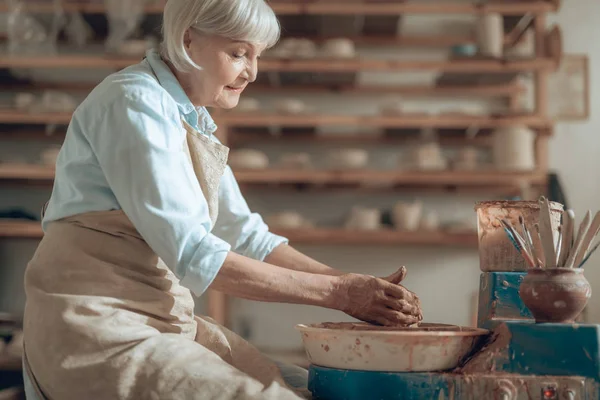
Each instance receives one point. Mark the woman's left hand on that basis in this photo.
(398, 277)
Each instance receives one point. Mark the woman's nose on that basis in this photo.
(253, 70)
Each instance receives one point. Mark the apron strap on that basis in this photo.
(34, 383)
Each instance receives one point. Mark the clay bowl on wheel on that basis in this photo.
(360, 346)
(555, 294)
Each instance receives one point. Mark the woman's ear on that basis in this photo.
(187, 39)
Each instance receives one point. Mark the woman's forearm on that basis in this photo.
(286, 256)
(250, 279)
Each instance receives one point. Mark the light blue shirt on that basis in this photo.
(123, 150)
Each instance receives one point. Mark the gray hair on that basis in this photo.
(249, 20)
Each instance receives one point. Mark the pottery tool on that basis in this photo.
(589, 254)
(518, 242)
(568, 217)
(587, 240)
(546, 233)
(558, 244)
(539, 250)
(583, 228)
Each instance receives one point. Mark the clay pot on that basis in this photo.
(556, 294)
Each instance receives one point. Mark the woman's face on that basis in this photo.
(227, 67)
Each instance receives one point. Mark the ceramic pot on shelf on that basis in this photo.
(556, 295)
(514, 148)
(362, 218)
(490, 35)
(407, 216)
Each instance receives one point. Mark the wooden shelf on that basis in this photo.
(239, 137)
(243, 119)
(33, 230)
(438, 41)
(398, 178)
(10, 363)
(251, 119)
(335, 177)
(379, 237)
(357, 65)
(20, 228)
(412, 7)
(487, 90)
(70, 60)
(343, 8)
(414, 90)
(26, 172)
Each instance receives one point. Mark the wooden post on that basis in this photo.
(541, 76)
(217, 307)
(541, 98)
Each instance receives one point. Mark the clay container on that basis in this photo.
(555, 294)
(496, 252)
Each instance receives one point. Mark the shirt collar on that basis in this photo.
(200, 117)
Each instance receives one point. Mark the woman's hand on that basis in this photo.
(378, 300)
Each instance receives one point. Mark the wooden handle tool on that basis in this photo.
(587, 240)
(546, 233)
(583, 228)
(567, 237)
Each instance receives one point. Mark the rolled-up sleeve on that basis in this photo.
(138, 142)
(243, 229)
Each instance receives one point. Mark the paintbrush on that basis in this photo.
(518, 242)
(519, 248)
(526, 236)
(589, 254)
(583, 228)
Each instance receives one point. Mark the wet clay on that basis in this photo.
(488, 358)
(422, 327)
(555, 295)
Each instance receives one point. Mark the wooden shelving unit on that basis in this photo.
(472, 77)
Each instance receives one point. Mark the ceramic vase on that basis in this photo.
(556, 295)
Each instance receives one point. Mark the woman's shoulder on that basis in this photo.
(133, 86)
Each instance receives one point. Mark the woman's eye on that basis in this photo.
(238, 55)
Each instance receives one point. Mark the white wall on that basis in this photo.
(445, 279)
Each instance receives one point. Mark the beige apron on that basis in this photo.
(105, 318)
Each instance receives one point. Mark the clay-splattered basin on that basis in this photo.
(555, 294)
(359, 346)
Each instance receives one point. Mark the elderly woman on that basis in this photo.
(144, 212)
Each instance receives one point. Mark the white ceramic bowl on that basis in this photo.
(358, 346)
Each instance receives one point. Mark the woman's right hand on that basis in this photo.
(378, 301)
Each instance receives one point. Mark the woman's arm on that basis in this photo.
(361, 296)
(286, 256)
